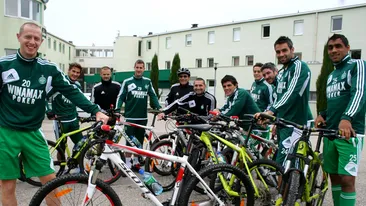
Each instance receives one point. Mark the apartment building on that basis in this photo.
(236, 46)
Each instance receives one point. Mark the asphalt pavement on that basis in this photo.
(131, 196)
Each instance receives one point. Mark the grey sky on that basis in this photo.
(97, 21)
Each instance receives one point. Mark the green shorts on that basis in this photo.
(342, 157)
(37, 161)
(286, 139)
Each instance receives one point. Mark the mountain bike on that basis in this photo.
(304, 179)
(182, 190)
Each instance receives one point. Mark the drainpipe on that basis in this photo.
(316, 36)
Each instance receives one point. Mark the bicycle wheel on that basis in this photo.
(59, 163)
(67, 190)
(291, 194)
(109, 172)
(164, 171)
(266, 174)
(242, 182)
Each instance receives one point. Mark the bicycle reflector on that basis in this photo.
(213, 113)
(106, 128)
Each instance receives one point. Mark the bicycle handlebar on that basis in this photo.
(330, 133)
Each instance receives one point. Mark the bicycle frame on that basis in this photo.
(108, 153)
(243, 156)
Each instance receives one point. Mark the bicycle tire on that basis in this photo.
(270, 163)
(318, 201)
(58, 173)
(193, 181)
(116, 174)
(173, 170)
(71, 179)
(293, 188)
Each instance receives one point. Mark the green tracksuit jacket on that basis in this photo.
(62, 106)
(134, 93)
(262, 94)
(239, 103)
(346, 94)
(25, 84)
(292, 91)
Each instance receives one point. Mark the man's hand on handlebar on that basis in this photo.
(320, 122)
(261, 120)
(161, 116)
(101, 117)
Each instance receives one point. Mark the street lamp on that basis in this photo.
(215, 68)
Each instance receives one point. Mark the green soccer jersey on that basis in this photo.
(25, 84)
(62, 106)
(345, 94)
(262, 94)
(239, 103)
(134, 93)
(292, 92)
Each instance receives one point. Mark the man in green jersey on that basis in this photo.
(134, 93)
(345, 111)
(261, 91)
(292, 91)
(64, 109)
(239, 101)
(26, 79)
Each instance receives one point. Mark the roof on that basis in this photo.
(67, 42)
(261, 19)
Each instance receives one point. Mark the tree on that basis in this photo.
(321, 82)
(154, 76)
(173, 74)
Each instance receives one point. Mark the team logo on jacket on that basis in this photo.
(146, 86)
(329, 79)
(177, 94)
(42, 80)
(344, 75)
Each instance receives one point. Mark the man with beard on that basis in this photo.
(345, 112)
(261, 90)
(105, 93)
(292, 91)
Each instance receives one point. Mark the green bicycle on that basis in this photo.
(304, 179)
(201, 143)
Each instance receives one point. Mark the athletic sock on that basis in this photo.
(336, 193)
(347, 199)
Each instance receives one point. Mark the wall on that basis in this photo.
(125, 53)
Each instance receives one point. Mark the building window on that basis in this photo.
(299, 54)
(69, 53)
(36, 11)
(49, 43)
(266, 30)
(54, 45)
(336, 23)
(29, 9)
(63, 49)
(98, 70)
(210, 62)
(188, 39)
(168, 43)
(236, 61)
(92, 70)
(10, 51)
(148, 45)
(236, 34)
(148, 66)
(356, 54)
(298, 27)
(167, 64)
(249, 60)
(198, 63)
(211, 86)
(211, 37)
(59, 47)
(312, 96)
(139, 49)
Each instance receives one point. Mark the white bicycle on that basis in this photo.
(63, 190)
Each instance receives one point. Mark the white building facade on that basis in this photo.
(237, 46)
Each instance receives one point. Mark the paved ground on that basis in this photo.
(129, 195)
